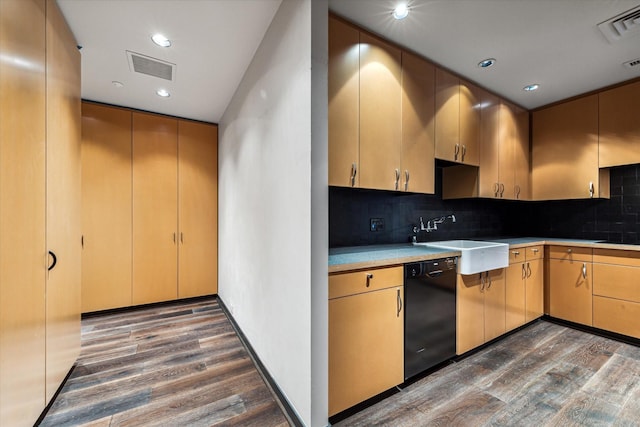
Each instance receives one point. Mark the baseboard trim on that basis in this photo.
(595, 331)
(286, 407)
(54, 397)
(130, 308)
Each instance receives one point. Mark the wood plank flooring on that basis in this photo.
(173, 365)
(544, 375)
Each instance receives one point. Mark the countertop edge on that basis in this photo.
(389, 262)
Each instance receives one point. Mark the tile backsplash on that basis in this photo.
(350, 212)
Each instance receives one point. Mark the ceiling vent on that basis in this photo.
(151, 66)
(622, 26)
(633, 63)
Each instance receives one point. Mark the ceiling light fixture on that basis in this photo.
(161, 40)
(486, 63)
(531, 88)
(401, 11)
(163, 93)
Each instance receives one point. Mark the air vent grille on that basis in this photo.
(151, 66)
(622, 26)
(633, 63)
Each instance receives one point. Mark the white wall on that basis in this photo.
(265, 211)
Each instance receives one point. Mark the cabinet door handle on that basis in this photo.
(464, 151)
(569, 250)
(516, 253)
(528, 270)
(55, 261)
(456, 152)
(406, 180)
(181, 237)
(584, 270)
(524, 272)
(481, 282)
(516, 190)
(397, 178)
(489, 280)
(354, 171)
(82, 241)
(369, 277)
(174, 238)
(399, 304)
(592, 190)
(496, 189)
(501, 189)
(535, 250)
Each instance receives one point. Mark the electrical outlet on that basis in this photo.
(376, 224)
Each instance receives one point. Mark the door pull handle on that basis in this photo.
(55, 261)
(369, 277)
(399, 304)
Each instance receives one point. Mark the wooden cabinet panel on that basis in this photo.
(616, 281)
(366, 347)
(470, 312)
(418, 97)
(106, 207)
(380, 115)
(619, 125)
(197, 209)
(571, 253)
(616, 256)
(521, 153)
(22, 212)
(616, 316)
(494, 304)
(63, 199)
(534, 252)
(447, 118)
(490, 147)
(534, 299)
(567, 134)
(515, 295)
(469, 123)
(570, 290)
(344, 103)
(155, 213)
(344, 284)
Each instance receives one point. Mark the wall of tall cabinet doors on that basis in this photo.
(40, 239)
(149, 208)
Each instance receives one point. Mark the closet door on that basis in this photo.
(155, 208)
(22, 211)
(198, 209)
(63, 199)
(106, 207)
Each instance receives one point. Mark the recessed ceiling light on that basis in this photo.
(531, 88)
(117, 84)
(161, 40)
(401, 11)
(163, 93)
(486, 63)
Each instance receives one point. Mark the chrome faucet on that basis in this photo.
(432, 224)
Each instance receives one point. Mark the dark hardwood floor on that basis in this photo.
(173, 365)
(543, 375)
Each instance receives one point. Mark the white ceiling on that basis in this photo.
(213, 44)
(555, 43)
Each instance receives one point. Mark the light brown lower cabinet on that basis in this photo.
(571, 284)
(524, 287)
(616, 294)
(366, 335)
(480, 309)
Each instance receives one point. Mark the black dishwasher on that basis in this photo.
(430, 314)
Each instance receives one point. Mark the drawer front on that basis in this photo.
(571, 253)
(616, 281)
(517, 255)
(616, 256)
(534, 252)
(355, 282)
(616, 316)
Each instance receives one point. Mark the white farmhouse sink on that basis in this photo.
(476, 256)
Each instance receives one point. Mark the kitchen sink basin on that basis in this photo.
(477, 256)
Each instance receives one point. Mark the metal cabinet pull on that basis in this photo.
(516, 253)
(592, 190)
(535, 250)
(406, 180)
(528, 270)
(174, 237)
(501, 189)
(397, 178)
(481, 282)
(489, 279)
(181, 237)
(354, 171)
(399, 304)
(524, 272)
(569, 250)
(496, 189)
(55, 261)
(369, 277)
(584, 270)
(516, 190)
(464, 151)
(456, 152)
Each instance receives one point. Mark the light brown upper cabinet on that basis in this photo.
(565, 152)
(155, 208)
(619, 125)
(418, 103)
(457, 119)
(380, 116)
(344, 104)
(197, 209)
(106, 207)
